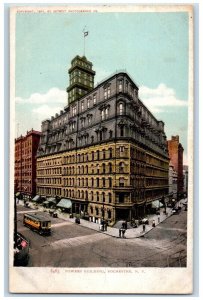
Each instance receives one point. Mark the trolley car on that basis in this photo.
(38, 223)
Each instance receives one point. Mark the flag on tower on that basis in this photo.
(86, 33)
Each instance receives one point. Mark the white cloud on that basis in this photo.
(54, 95)
(46, 111)
(160, 98)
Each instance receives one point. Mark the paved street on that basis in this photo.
(73, 245)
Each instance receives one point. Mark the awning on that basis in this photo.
(46, 202)
(51, 199)
(157, 204)
(17, 194)
(65, 203)
(36, 198)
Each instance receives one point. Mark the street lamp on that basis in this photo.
(103, 217)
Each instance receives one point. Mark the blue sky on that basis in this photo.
(151, 47)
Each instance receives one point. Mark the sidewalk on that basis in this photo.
(114, 232)
(131, 232)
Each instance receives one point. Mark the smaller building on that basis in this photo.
(173, 182)
(185, 180)
(25, 164)
(175, 150)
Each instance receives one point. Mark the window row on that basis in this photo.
(91, 196)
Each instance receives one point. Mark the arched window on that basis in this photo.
(103, 168)
(97, 182)
(104, 153)
(121, 167)
(92, 155)
(103, 182)
(98, 154)
(91, 209)
(110, 168)
(87, 182)
(78, 194)
(82, 194)
(109, 214)
(121, 130)
(87, 169)
(97, 211)
(121, 181)
(110, 152)
(110, 197)
(121, 109)
(103, 197)
(92, 195)
(92, 182)
(97, 168)
(110, 182)
(97, 196)
(86, 195)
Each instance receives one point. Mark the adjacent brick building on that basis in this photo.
(175, 150)
(25, 163)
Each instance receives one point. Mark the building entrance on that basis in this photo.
(122, 214)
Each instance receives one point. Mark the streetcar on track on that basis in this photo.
(38, 223)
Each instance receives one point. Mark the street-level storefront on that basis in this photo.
(65, 205)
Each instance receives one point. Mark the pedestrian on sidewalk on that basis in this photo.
(123, 233)
(153, 223)
(143, 227)
(120, 229)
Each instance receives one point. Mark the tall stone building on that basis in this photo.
(25, 163)
(105, 152)
(175, 150)
(173, 188)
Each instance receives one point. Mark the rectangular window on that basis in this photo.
(88, 103)
(82, 105)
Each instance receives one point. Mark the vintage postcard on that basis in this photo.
(101, 149)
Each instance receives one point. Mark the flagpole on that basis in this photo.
(85, 33)
(84, 44)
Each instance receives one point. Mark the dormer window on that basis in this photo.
(108, 92)
(74, 110)
(105, 93)
(121, 108)
(82, 105)
(94, 99)
(120, 85)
